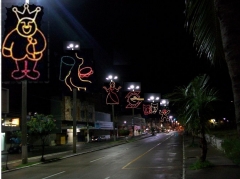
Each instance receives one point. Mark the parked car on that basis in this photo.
(98, 138)
(16, 146)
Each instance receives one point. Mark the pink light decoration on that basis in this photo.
(112, 97)
(132, 99)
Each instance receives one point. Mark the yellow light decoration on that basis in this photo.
(27, 29)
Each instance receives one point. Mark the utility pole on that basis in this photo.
(74, 118)
(24, 123)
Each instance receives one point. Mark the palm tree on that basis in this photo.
(195, 102)
(215, 27)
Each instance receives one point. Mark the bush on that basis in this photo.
(232, 149)
(200, 165)
(123, 132)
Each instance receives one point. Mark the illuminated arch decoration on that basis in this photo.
(164, 114)
(27, 36)
(112, 97)
(133, 99)
(85, 72)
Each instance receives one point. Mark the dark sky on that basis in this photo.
(138, 40)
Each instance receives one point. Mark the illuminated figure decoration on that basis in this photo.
(25, 44)
(112, 97)
(150, 108)
(164, 114)
(147, 109)
(154, 108)
(133, 99)
(69, 62)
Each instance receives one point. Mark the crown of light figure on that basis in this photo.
(26, 12)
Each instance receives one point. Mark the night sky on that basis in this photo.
(138, 40)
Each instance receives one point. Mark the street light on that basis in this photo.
(112, 97)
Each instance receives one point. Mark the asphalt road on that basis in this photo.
(158, 156)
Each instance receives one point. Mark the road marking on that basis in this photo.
(184, 158)
(54, 175)
(97, 159)
(144, 154)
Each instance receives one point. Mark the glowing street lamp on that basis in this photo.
(111, 77)
(164, 102)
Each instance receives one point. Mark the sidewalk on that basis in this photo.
(223, 168)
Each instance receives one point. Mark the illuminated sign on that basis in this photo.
(25, 44)
(112, 97)
(67, 64)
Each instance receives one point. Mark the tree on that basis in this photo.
(195, 102)
(215, 27)
(41, 126)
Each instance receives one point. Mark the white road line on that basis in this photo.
(184, 171)
(54, 175)
(97, 159)
(144, 153)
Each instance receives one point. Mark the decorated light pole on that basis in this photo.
(133, 97)
(164, 111)
(25, 44)
(151, 105)
(112, 97)
(74, 77)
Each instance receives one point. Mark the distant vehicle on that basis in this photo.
(98, 138)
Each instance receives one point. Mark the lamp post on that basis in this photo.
(112, 97)
(134, 89)
(154, 99)
(164, 111)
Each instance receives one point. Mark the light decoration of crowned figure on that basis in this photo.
(25, 44)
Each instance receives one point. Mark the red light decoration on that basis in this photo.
(112, 97)
(164, 114)
(147, 109)
(150, 108)
(82, 73)
(133, 99)
(27, 31)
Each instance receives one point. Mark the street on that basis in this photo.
(159, 156)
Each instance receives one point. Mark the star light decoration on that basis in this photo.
(27, 38)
